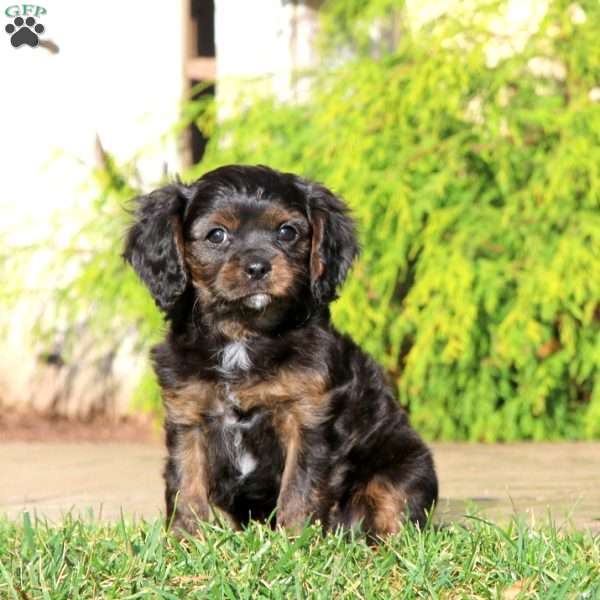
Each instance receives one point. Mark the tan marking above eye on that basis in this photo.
(225, 218)
(273, 217)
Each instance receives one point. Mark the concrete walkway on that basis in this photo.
(534, 480)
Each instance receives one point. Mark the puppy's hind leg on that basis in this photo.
(385, 503)
(378, 508)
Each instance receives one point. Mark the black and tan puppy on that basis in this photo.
(267, 405)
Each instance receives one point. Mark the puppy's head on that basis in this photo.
(251, 241)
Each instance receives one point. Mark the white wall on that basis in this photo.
(118, 74)
(260, 46)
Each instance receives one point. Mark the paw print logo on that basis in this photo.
(24, 31)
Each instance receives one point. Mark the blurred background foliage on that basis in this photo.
(476, 186)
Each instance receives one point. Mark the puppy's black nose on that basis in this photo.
(257, 268)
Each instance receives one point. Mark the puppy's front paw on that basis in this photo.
(292, 519)
(186, 522)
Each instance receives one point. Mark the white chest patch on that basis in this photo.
(241, 458)
(234, 428)
(246, 464)
(235, 356)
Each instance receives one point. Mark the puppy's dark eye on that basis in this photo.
(217, 236)
(286, 233)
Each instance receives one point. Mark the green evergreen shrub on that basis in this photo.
(476, 189)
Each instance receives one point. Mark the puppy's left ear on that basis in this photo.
(334, 245)
(154, 244)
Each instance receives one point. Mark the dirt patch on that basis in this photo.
(56, 465)
(532, 481)
(15, 427)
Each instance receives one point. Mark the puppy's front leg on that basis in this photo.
(186, 476)
(297, 494)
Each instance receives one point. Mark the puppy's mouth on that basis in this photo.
(258, 301)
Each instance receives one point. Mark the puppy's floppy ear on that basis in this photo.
(154, 244)
(334, 245)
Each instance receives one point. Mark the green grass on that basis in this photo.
(83, 558)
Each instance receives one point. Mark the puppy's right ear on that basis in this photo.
(154, 244)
